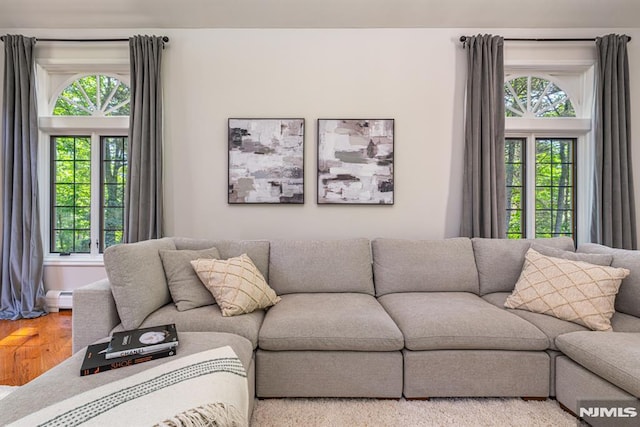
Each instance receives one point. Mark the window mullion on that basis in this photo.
(95, 194)
(530, 186)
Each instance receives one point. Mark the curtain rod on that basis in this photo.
(464, 38)
(164, 39)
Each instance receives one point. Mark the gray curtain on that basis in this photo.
(22, 290)
(143, 198)
(483, 198)
(614, 216)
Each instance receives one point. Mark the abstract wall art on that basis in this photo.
(266, 161)
(355, 161)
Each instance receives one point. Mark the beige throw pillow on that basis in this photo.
(576, 291)
(236, 284)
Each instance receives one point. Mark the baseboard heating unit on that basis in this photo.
(56, 300)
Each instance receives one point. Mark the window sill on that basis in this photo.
(77, 260)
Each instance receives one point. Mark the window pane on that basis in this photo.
(114, 172)
(555, 191)
(71, 195)
(98, 95)
(514, 170)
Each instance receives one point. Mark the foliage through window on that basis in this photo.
(94, 95)
(541, 167)
(554, 209)
(88, 168)
(532, 96)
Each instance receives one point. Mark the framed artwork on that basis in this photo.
(266, 161)
(355, 161)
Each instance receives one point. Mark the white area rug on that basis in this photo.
(435, 412)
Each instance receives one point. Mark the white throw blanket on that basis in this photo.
(207, 388)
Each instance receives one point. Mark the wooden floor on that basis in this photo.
(29, 347)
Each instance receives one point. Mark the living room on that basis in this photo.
(400, 60)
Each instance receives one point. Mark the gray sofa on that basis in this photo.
(388, 318)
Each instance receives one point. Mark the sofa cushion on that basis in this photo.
(459, 321)
(613, 356)
(424, 266)
(236, 284)
(207, 318)
(500, 261)
(628, 299)
(187, 290)
(257, 250)
(321, 266)
(549, 325)
(576, 291)
(598, 259)
(553, 327)
(137, 279)
(329, 321)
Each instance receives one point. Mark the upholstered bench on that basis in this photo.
(64, 381)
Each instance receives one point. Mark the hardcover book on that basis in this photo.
(142, 341)
(95, 360)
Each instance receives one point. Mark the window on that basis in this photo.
(88, 165)
(540, 158)
(553, 182)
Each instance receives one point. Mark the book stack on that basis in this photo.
(130, 348)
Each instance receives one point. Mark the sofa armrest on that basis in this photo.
(94, 313)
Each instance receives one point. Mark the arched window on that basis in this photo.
(540, 167)
(88, 165)
(532, 96)
(94, 95)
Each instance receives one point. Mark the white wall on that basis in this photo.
(412, 76)
(415, 76)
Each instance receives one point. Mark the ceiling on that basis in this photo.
(73, 14)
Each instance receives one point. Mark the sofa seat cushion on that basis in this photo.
(329, 321)
(614, 356)
(552, 326)
(459, 321)
(206, 319)
(549, 325)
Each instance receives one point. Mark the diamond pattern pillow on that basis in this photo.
(575, 291)
(236, 284)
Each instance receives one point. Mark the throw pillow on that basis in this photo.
(575, 291)
(187, 291)
(138, 283)
(236, 284)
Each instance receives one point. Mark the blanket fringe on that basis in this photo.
(210, 415)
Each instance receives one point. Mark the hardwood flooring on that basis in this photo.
(29, 347)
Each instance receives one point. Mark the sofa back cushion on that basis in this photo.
(500, 261)
(257, 250)
(138, 283)
(320, 266)
(424, 266)
(628, 298)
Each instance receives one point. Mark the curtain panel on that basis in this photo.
(143, 194)
(614, 216)
(483, 198)
(22, 289)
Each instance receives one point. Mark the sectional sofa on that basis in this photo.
(383, 318)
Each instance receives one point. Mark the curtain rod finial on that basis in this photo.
(463, 39)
